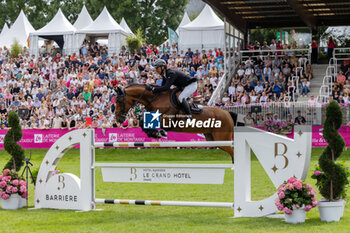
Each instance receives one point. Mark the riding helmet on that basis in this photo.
(159, 63)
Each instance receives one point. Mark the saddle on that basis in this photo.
(195, 109)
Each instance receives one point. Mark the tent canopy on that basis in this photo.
(59, 29)
(20, 31)
(205, 32)
(59, 25)
(185, 20)
(206, 19)
(4, 30)
(84, 19)
(103, 24)
(125, 26)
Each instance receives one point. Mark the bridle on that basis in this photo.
(122, 94)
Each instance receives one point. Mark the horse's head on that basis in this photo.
(122, 107)
(128, 97)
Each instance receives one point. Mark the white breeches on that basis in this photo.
(188, 91)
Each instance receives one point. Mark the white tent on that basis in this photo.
(205, 32)
(125, 26)
(19, 31)
(104, 26)
(58, 29)
(84, 19)
(185, 20)
(4, 31)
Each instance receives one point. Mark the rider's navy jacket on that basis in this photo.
(176, 78)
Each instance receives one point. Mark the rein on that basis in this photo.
(137, 101)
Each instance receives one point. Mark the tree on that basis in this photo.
(38, 12)
(70, 9)
(16, 49)
(262, 35)
(13, 135)
(135, 41)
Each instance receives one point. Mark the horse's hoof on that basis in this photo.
(163, 133)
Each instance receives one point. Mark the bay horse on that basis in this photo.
(137, 93)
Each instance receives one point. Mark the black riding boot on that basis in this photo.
(186, 108)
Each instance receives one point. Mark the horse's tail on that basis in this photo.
(234, 117)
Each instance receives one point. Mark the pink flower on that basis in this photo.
(308, 207)
(1, 176)
(9, 177)
(314, 203)
(289, 186)
(308, 186)
(5, 172)
(14, 189)
(297, 206)
(4, 178)
(22, 182)
(281, 195)
(5, 196)
(3, 184)
(23, 189)
(312, 191)
(287, 211)
(9, 189)
(292, 180)
(24, 195)
(15, 182)
(277, 201)
(280, 206)
(317, 173)
(298, 185)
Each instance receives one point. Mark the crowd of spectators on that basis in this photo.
(260, 119)
(268, 76)
(341, 87)
(77, 91)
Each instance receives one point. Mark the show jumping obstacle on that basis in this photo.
(280, 156)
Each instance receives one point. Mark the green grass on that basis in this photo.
(120, 218)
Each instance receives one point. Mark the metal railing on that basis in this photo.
(312, 114)
(327, 83)
(341, 54)
(278, 52)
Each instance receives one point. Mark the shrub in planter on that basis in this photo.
(331, 176)
(13, 135)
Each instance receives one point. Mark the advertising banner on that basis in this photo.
(45, 138)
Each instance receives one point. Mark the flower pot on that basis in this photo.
(331, 211)
(298, 216)
(13, 202)
(22, 202)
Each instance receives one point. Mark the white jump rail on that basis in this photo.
(166, 144)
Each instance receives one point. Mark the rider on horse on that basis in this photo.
(178, 79)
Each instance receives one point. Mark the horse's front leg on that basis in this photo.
(151, 133)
